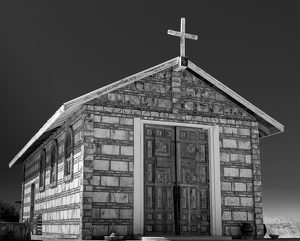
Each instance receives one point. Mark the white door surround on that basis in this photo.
(214, 174)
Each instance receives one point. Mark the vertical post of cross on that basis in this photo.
(182, 37)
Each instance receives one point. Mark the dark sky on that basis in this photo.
(54, 51)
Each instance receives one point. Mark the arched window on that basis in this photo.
(42, 170)
(53, 163)
(69, 146)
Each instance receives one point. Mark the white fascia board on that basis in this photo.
(67, 107)
(121, 83)
(235, 96)
(45, 127)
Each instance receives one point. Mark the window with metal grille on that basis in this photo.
(42, 170)
(53, 163)
(69, 146)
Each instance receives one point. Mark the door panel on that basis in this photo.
(192, 161)
(176, 180)
(159, 171)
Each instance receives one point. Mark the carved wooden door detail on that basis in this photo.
(192, 180)
(159, 170)
(175, 181)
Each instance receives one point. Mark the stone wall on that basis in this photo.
(60, 204)
(176, 97)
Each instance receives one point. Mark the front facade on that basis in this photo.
(168, 151)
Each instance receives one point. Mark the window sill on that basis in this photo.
(68, 178)
(53, 184)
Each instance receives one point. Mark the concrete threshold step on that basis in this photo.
(185, 238)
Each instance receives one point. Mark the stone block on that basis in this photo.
(133, 100)
(229, 143)
(100, 197)
(126, 181)
(229, 130)
(246, 173)
(145, 113)
(126, 121)
(97, 118)
(257, 199)
(155, 114)
(218, 109)
(119, 135)
(258, 221)
(127, 150)
(257, 183)
(119, 166)
(224, 157)
(110, 214)
(246, 201)
(226, 186)
(101, 165)
(126, 214)
(237, 158)
(244, 144)
(226, 215)
(239, 216)
(96, 180)
(101, 133)
(248, 159)
(163, 103)
(87, 225)
(87, 194)
(118, 197)
(110, 119)
(231, 121)
(231, 172)
(250, 216)
(232, 230)
(131, 166)
(232, 201)
(114, 97)
(100, 230)
(244, 132)
(110, 149)
(109, 181)
(239, 186)
(249, 187)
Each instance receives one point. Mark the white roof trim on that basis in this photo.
(70, 106)
(235, 96)
(45, 127)
(121, 83)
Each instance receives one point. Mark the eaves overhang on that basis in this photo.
(267, 125)
(68, 108)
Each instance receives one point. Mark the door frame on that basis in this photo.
(214, 173)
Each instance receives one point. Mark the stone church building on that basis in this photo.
(167, 151)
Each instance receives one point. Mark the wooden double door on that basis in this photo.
(176, 181)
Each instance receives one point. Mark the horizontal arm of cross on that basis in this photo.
(186, 35)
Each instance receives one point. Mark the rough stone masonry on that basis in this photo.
(99, 196)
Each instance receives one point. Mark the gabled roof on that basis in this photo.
(267, 125)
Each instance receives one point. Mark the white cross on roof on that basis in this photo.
(182, 34)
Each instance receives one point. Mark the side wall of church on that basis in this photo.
(59, 204)
(173, 97)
